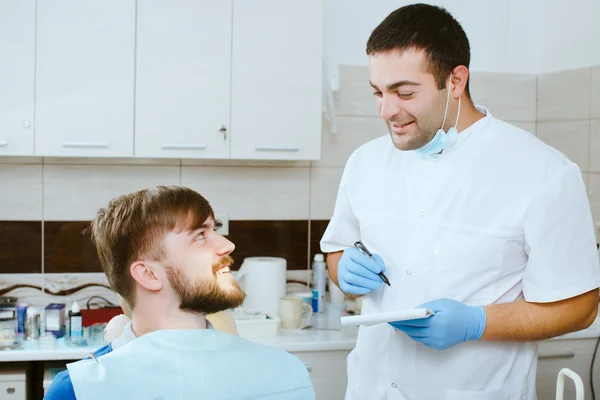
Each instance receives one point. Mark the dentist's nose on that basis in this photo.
(388, 107)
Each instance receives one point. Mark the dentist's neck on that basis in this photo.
(468, 114)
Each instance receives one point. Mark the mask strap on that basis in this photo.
(458, 114)
(447, 102)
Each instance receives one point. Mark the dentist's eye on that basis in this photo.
(406, 95)
(377, 94)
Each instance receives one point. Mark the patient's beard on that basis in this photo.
(205, 296)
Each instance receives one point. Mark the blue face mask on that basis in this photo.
(441, 140)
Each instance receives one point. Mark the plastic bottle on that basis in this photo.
(32, 324)
(319, 282)
(75, 323)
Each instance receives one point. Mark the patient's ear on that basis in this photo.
(145, 274)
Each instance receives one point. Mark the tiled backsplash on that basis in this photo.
(275, 208)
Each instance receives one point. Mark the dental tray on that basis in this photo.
(387, 316)
(254, 325)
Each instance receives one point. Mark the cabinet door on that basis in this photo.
(85, 78)
(276, 79)
(13, 390)
(17, 47)
(327, 371)
(575, 354)
(183, 79)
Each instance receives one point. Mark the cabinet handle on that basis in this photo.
(183, 146)
(223, 130)
(276, 148)
(10, 390)
(559, 354)
(3, 143)
(85, 145)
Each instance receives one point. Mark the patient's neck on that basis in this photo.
(152, 315)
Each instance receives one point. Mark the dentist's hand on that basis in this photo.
(453, 323)
(357, 272)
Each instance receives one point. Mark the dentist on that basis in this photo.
(467, 215)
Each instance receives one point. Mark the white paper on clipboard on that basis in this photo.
(387, 316)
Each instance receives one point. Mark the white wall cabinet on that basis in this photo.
(85, 78)
(276, 79)
(183, 79)
(17, 47)
(233, 79)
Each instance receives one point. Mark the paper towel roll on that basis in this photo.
(263, 280)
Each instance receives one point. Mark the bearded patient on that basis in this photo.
(162, 255)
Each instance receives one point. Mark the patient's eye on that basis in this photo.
(200, 236)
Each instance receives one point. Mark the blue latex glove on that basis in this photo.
(357, 272)
(453, 323)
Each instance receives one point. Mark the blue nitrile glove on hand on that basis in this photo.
(453, 323)
(357, 272)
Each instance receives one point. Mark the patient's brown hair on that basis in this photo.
(131, 228)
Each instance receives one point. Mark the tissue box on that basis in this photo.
(55, 319)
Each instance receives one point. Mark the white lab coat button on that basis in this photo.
(394, 385)
(422, 213)
(408, 272)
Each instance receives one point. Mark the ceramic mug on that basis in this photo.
(294, 313)
(305, 296)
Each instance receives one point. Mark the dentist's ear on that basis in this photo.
(459, 78)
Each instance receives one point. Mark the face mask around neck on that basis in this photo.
(442, 140)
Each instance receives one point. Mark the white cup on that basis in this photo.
(294, 313)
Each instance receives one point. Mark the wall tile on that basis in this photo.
(20, 247)
(109, 161)
(286, 239)
(76, 192)
(68, 248)
(355, 96)
(564, 95)
(594, 192)
(244, 163)
(324, 183)
(317, 230)
(252, 193)
(595, 145)
(80, 287)
(508, 96)
(530, 127)
(27, 288)
(351, 133)
(21, 198)
(572, 138)
(595, 111)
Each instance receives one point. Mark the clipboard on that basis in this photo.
(387, 316)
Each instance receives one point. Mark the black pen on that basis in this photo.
(360, 246)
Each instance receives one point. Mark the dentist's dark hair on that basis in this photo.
(424, 27)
